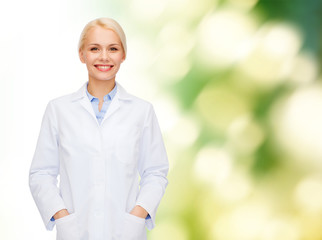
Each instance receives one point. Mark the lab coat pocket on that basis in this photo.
(67, 228)
(127, 146)
(133, 228)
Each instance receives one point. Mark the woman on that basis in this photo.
(106, 147)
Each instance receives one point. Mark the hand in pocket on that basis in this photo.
(67, 228)
(133, 228)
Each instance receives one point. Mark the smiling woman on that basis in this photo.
(103, 53)
(100, 140)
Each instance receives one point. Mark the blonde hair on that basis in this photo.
(107, 23)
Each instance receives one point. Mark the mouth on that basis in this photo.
(103, 68)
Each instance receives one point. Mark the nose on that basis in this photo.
(105, 55)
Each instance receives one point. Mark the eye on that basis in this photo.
(113, 49)
(94, 49)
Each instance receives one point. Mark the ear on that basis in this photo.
(123, 58)
(81, 55)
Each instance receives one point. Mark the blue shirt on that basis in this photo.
(107, 102)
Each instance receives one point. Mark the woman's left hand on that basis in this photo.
(139, 212)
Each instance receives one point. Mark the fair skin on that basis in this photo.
(103, 55)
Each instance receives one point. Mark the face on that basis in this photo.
(102, 53)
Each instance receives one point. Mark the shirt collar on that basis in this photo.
(120, 93)
(108, 96)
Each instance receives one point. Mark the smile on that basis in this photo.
(104, 68)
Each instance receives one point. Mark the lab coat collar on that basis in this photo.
(121, 94)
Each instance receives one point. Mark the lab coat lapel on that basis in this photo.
(120, 96)
(116, 103)
(88, 107)
(81, 96)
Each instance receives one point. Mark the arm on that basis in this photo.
(45, 168)
(153, 168)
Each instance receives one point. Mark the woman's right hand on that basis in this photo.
(61, 213)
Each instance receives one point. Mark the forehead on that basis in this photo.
(100, 35)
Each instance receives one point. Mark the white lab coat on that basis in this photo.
(105, 170)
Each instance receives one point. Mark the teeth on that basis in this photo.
(104, 67)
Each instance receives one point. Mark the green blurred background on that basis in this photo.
(236, 85)
(243, 127)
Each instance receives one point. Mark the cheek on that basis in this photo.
(119, 59)
(89, 59)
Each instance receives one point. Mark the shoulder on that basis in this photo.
(123, 95)
(61, 100)
(141, 102)
(69, 98)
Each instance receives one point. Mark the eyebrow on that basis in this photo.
(96, 44)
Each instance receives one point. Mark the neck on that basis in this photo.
(99, 89)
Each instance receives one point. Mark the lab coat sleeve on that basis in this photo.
(45, 168)
(153, 167)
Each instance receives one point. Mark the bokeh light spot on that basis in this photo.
(184, 133)
(298, 125)
(176, 43)
(308, 195)
(235, 188)
(281, 229)
(220, 106)
(245, 135)
(243, 4)
(273, 48)
(246, 222)
(213, 165)
(304, 68)
(222, 35)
